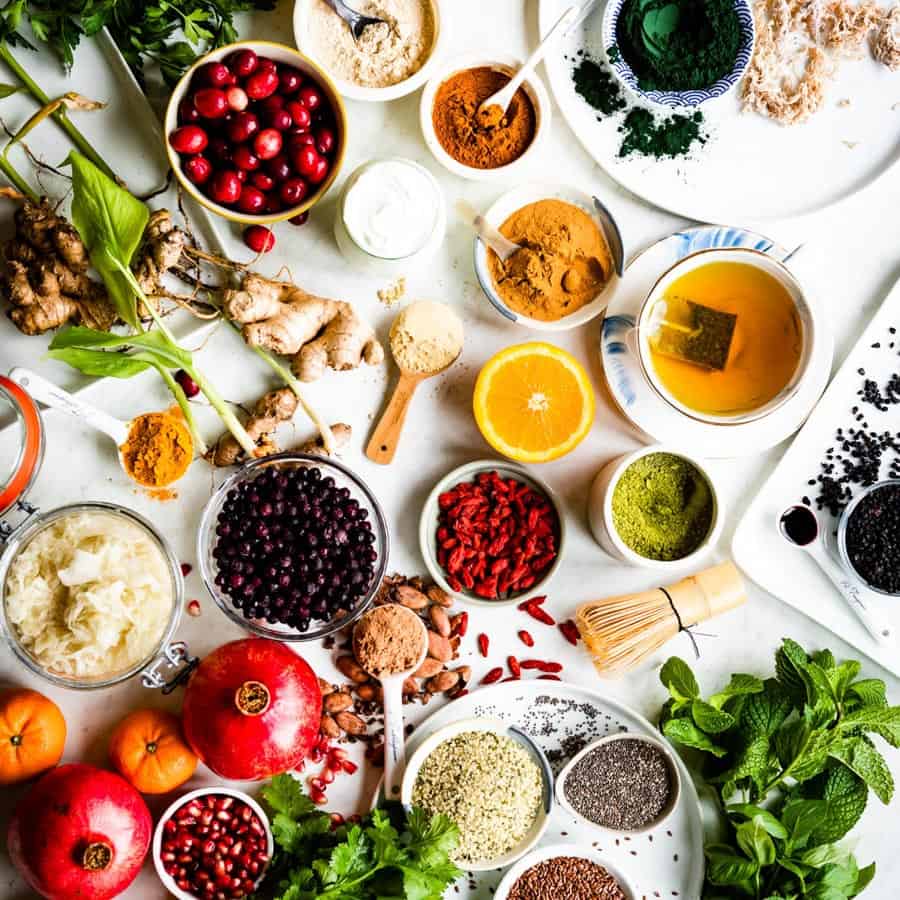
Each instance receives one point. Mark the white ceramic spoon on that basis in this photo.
(490, 236)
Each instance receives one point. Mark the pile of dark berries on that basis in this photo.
(873, 538)
(294, 547)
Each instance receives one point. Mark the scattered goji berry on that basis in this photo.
(541, 665)
(492, 676)
(526, 638)
(484, 643)
(570, 632)
(514, 666)
(549, 678)
(540, 615)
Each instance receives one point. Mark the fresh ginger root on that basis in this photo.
(269, 412)
(316, 332)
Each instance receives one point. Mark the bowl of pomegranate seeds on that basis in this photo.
(491, 532)
(255, 132)
(212, 842)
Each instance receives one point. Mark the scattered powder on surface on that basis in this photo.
(385, 54)
(388, 640)
(393, 292)
(426, 337)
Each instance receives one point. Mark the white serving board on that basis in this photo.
(665, 862)
(751, 169)
(759, 549)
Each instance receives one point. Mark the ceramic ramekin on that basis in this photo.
(679, 99)
(600, 515)
(843, 524)
(280, 53)
(495, 726)
(352, 91)
(532, 86)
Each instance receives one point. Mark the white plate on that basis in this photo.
(757, 546)
(751, 168)
(645, 408)
(561, 718)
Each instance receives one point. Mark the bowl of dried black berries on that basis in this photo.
(868, 537)
(293, 547)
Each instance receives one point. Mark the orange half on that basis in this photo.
(533, 402)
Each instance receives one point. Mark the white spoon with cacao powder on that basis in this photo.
(390, 642)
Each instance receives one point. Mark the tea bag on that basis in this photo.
(692, 332)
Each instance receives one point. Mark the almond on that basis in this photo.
(350, 722)
(349, 667)
(440, 621)
(442, 682)
(366, 692)
(465, 673)
(338, 702)
(409, 597)
(439, 647)
(326, 687)
(439, 596)
(410, 686)
(329, 727)
(429, 668)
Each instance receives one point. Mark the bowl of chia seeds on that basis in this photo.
(621, 784)
(868, 537)
(564, 870)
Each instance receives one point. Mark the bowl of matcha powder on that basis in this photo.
(656, 507)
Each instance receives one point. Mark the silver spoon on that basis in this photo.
(357, 21)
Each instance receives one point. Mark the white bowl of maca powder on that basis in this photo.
(389, 60)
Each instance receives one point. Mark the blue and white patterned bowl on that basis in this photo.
(680, 99)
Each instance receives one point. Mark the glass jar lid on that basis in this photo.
(21, 443)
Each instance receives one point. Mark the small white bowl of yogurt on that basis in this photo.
(391, 217)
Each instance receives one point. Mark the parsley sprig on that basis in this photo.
(390, 855)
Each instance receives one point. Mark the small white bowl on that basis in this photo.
(430, 516)
(674, 782)
(352, 91)
(509, 65)
(600, 513)
(551, 851)
(508, 204)
(494, 726)
(164, 876)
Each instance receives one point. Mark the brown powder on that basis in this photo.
(388, 640)
(486, 142)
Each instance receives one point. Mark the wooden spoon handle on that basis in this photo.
(383, 443)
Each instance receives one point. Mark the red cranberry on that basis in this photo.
(300, 218)
(259, 238)
(243, 157)
(188, 139)
(310, 97)
(298, 141)
(262, 181)
(243, 126)
(267, 65)
(219, 150)
(252, 200)
(187, 112)
(300, 114)
(243, 62)
(267, 144)
(279, 167)
(211, 103)
(321, 171)
(289, 80)
(198, 169)
(191, 389)
(268, 106)
(261, 84)
(293, 191)
(305, 160)
(213, 74)
(273, 203)
(225, 187)
(241, 175)
(325, 140)
(237, 98)
(280, 120)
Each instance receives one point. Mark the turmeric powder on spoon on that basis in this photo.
(158, 450)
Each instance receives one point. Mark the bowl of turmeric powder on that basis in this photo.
(569, 262)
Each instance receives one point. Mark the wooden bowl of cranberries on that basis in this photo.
(255, 131)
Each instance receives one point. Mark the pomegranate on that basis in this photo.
(252, 708)
(80, 832)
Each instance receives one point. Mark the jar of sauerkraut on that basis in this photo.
(90, 593)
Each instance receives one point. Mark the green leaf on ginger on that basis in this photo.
(154, 343)
(677, 676)
(686, 733)
(99, 363)
(709, 718)
(756, 842)
(858, 755)
(768, 821)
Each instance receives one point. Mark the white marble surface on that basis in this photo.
(853, 248)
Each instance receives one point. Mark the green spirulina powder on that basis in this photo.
(678, 45)
(662, 507)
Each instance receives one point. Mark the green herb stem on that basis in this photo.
(185, 406)
(17, 181)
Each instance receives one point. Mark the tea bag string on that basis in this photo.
(687, 629)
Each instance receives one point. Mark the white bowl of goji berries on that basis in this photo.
(492, 533)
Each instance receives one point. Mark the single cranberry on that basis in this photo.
(289, 80)
(266, 107)
(198, 169)
(225, 187)
(310, 97)
(280, 120)
(188, 139)
(259, 238)
(267, 144)
(244, 158)
(219, 150)
(300, 114)
(187, 112)
(252, 200)
(305, 160)
(243, 126)
(300, 218)
(293, 191)
(299, 140)
(279, 167)
(325, 140)
(191, 389)
(211, 103)
(261, 84)
(213, 74)
(263, 181)
(267, 65)
(243, 62)
(321, 171)
(237, 98)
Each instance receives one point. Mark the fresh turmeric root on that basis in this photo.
(316, 332)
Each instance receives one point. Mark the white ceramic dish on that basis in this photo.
(560, 717)
(645, 408)
(742, 256)
(428, 525)
(751, 169)
(494, 726)
(600, 513)
(352, 91)
(532, 85)
(758, 547)
(498, 214)
(166, 879)
(551, 852)
(674, 783)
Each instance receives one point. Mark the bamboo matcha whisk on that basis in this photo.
(620, 632)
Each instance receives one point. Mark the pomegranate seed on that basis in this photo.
(484, 643)
(327, 775)
(193, 608)
(318, 797)
(526, 638)
(349, 767)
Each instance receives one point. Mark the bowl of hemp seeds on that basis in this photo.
(492, 780)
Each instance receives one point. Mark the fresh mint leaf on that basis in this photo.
(823, 658)
(858, 755)
(726, 869)
(677, 676)
(869, 692)
(865, 879)
(762, 816)
(842, 676)
(821, 856)
(801, 818)
(846, 795)
(882, 721)
(709, 718)
(686, 733)
(739, 686)
(756, 842)
(764, 712)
